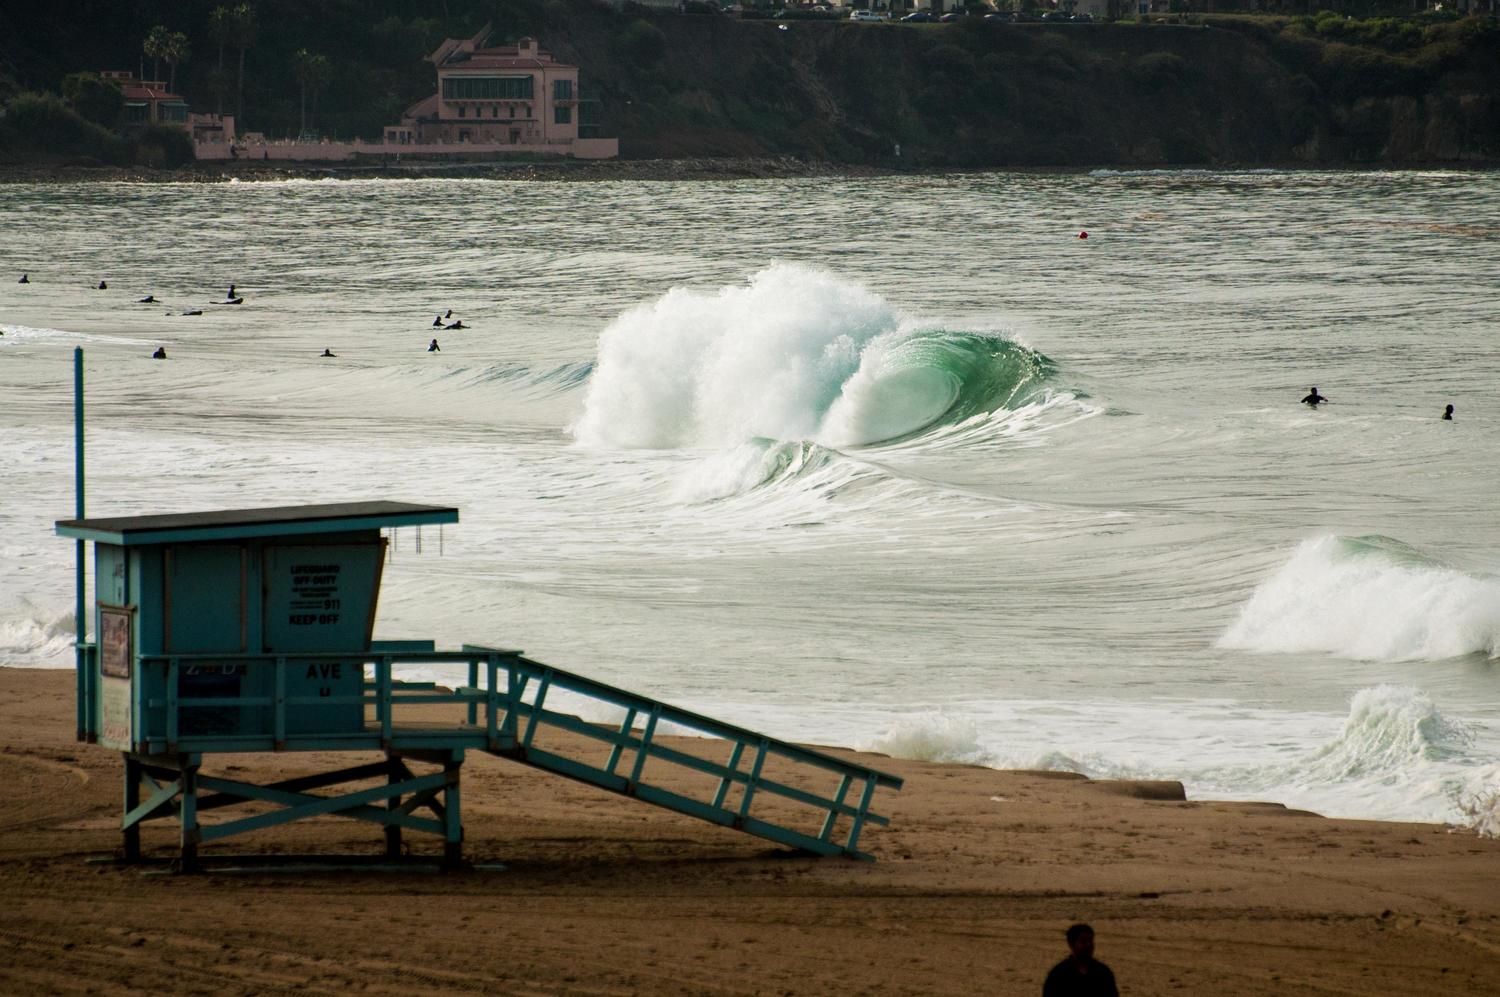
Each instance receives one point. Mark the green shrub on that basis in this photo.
(164, 147)
(44, 126)
(643, 44)
(96, 100)
(1160, 70)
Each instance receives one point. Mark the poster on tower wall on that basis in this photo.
(114, 675)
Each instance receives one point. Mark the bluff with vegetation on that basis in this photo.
(1322, 90)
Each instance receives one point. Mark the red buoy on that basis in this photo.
(1083, 235)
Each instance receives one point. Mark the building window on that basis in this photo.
(463, 112)
(562, 89)
(562, 115)
(486, 87)
(137, 113)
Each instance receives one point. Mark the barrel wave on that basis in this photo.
(793, 354)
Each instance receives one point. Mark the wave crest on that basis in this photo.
(1372, 599)
(795, 354)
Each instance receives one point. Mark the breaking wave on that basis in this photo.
(1369, 598)
(795, 354)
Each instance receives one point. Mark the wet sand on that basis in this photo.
(975, 880)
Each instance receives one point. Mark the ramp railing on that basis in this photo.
(528, 712)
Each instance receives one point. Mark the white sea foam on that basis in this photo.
(765, 359)
(933, 737)
(31, 637)
(1369, 599)
(20, 335)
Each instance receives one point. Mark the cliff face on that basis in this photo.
(979, 94)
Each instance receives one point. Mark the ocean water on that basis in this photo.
(898, 463)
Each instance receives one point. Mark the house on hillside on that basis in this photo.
(147, 102)
(499, 99)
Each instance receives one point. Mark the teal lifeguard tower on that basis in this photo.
(250, 630)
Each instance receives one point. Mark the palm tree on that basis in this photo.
(312, 72)
(155, 46)
(242, 31)
(220, 26)
(176, 50)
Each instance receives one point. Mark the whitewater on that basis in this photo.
(899, 463)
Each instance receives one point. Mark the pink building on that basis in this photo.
(515, 96)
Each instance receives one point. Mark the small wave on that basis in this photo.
(797, 354)
(564, 377)
(1371, 599)
(16, 335)
(32, 638)
(1158, 172)
(1388, 730)
(933, 737)
(1397, 757)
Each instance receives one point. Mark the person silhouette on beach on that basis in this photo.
(433, 347)
(327, 353)
(1313, 398)
(160, 354)
(1448, 413)
(1080, 973)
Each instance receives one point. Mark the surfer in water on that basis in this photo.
(230, 295)
(327, 353)
(103, 286)
(1313, 398)
(24, 280)
(437, 322)
(1448, 413)
(456, 325)
(160, 354)
(149, 299)
(433, 347)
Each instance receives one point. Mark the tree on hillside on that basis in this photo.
(94, 99)
(176, 50)
(312, 72)
(155, 46)
(243, 28)
(220, 27)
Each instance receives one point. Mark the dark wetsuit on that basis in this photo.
(1066, 980)
(1314, 399)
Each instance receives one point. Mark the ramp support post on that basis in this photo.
(395, 772)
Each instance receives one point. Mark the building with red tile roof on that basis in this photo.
(147, 102)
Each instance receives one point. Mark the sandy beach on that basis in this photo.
(975, 880)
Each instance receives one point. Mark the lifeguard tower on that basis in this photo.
(250, 630)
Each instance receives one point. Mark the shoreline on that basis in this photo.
(976, 877)
(647, 170)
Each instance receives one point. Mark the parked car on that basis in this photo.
(1054, 15)
(950, 17)
(919, 17)
(865, 15)
(997, 18)
(1083, 18)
